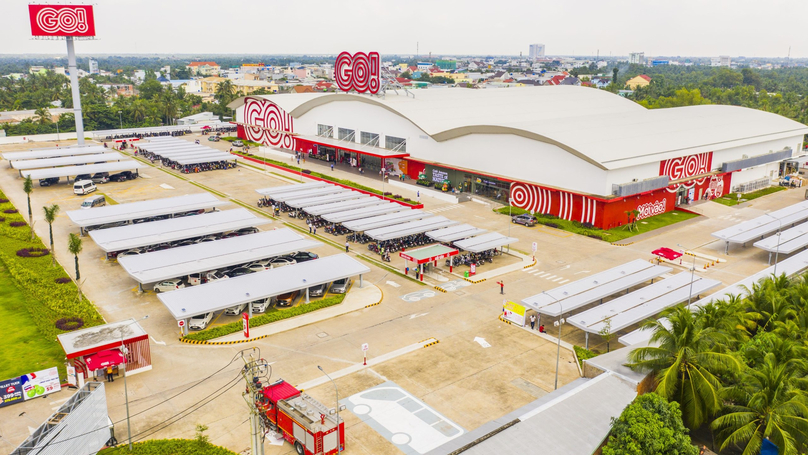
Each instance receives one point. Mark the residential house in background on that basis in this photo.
(203, 68)
(638, 81)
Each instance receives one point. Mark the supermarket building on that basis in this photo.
(578, 153)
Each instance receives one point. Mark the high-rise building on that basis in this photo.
(637, 58)
(721, 60)
(536, 51)
(93, 67)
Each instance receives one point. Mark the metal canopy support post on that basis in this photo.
(185, 327)
(587, 340)
(74, 85)
(140, 288)
(360, 281)
(307, 295)
(249, 309)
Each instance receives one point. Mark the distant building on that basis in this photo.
(203, 117)
(37, 70)
(722, 60)
(203, 68)
(447, 64)
(93, 67)
(638, 81)
(637, 58)
(660, 62)
(536, 51)
(424, 66)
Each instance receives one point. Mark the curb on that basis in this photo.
(474, 281)
(622, 244)
(531, 265)
(380, 300)
(430, 344)
(505, 320)
(221, 343)
(440, 289)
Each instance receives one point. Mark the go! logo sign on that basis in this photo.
(61, 20)
(358, 72)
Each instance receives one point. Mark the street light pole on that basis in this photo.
(692, 273)
(339, 446)
(777, 251)
(559, 322)
(120, 119)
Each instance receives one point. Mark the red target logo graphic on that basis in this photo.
(268, 124)
(359, 72)
(61, 20)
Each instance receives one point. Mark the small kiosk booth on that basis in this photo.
(96, 348)
(430, 254)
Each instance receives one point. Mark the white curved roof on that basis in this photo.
(602, 128)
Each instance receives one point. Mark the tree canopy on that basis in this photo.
(649, 425)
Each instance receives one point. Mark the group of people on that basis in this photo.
(533, 324)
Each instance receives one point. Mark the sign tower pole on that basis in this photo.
(74, 85)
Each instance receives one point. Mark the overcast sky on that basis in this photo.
(616, 27)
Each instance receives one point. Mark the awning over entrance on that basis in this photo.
(104, 359)
(362, 149)
(428, 254)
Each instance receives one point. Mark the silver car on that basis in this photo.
(340, 286)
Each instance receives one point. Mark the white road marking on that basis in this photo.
(549, 277)
(559, 278)
(413, 316)
(60, 401)
(394, 284)
(482, 342)
(542, 275)
(563, 282)
(162, 343)
(582, 271)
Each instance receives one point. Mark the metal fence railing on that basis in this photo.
(752, 186)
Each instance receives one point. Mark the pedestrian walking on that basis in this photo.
(418, 196)
(346, 246)
(332, 166)
(315, 230)
(309, 224)
(109, 374)
(298, 160)
(532, 321)
(501, 286)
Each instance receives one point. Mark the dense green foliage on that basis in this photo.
(583, 354)
(739, 364)
(35, 277)
(649, 425)
(732, 199)
(267, 318)
(168, 447)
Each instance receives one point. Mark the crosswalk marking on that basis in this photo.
(563, 282)
(558, 279)
(549, 277)
(443, 209)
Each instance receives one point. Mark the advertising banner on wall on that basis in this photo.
(40, 383)
(10, 391)
(513, 312)
(71, 375)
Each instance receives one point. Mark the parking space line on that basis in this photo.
(563, 282)
(559, 278)
(549, 277)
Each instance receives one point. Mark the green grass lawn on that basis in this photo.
(24, 349)
(732, 198)
(611, 235)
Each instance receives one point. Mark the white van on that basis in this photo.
(84, 187)
(94, 201)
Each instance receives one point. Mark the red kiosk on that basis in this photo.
(426, 255)
(102, 346)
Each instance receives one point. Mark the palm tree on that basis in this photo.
(43, 116)
(685, 359)
(138, 111)
(225, 91)
(50, 217)
(728, 315)
(769, 303)
(28, 187)
(767, 403)
(74, 246)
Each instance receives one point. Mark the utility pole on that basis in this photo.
(254, 368)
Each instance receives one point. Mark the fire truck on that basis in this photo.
(310, 426)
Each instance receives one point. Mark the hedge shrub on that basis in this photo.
(33, 252)
(268, 318)
(583, 354)
(168, 447)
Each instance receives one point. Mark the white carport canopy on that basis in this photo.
(144, 209)
(200, 159)
(157, 232)
(334, 207)
(202, 257)
(386, 220)
(305, 194)
(641, 304)
(186, 151)
(278, 190)
(54, 152)
(67, 171)
(485, 242)
(789, 241)
(577, 294)
(763, 225)
(218, 295)
(168, 145)
(409, 228)
(789, 267)
(364, 212)
(450, 234)
(338, 195)
(66, 161)
(158, 129)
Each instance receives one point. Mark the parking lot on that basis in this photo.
(457, 378)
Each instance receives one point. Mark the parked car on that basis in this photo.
(132, 252)
(303, 256)
(101, 177)
(317, 291)
(256, 267)
(238, 271)
(123, 176)
(208, 238)
(216, 277)
(236, 310)
(281, 261)
(94, 201)
(160, 247)
(247, 231)
(214, 138)
(288, 299)
(83, 177)
(49, 181)
(84, 187)
(525, 219)
(238, 144)
(169, 285)
(261, 305)
(192, 212)
(340, 286)
(201, 321)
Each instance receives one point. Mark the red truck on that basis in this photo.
(309, 425)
